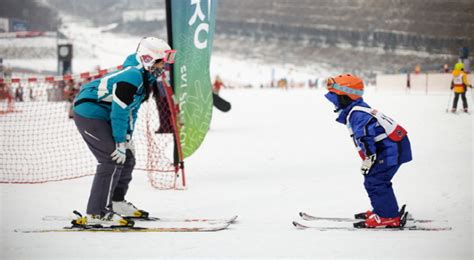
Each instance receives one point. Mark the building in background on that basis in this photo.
(144, 15)
(13, 25)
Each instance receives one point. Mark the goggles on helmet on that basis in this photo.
(331, 84)
(169, 56)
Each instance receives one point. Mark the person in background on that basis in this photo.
(105, 113)
(467, 66)
(19, 93)
(6, 93)
(446, 68)
(459, 85)
(382, 144)
(408, 81)
(31, 94)
(417, 69)
(464, 59)
(70, 93)
(216, 87)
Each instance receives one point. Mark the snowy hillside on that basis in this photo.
(363, 37)
(358, 36)
(94, 49)
(274, 154)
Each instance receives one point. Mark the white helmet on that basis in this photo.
(151, 49)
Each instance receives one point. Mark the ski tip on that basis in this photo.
(233, 219)
(403, 219)
(403, 209)
(221, 227)
(298, 225)
(77, 213)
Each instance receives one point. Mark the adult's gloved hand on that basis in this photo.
(119, 155)
(367, 164)
(130, 145)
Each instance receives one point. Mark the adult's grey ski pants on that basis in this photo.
(111, 179)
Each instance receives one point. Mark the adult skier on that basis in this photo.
(382, 144)
(105, 112)
(459, 85)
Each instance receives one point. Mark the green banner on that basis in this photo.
(193, 23)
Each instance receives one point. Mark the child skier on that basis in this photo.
(382, 144)
(459, 85)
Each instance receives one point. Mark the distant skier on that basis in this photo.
(218, 85)
(105, 112)
(459, 85)
(382, 144)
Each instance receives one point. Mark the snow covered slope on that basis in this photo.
(274, 154)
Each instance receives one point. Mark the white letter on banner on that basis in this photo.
(197, 43)
(201, 26)
(197, 12)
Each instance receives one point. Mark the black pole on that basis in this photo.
(169, 30)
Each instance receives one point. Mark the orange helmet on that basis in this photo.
(346, 84)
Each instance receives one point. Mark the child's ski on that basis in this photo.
(309, 217)
(348, 228)
(359, 216)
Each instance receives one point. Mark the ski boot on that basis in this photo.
(109, 220)
(375, 221)
(365, 215)
(128, 210)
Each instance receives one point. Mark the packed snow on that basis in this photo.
(274, 154)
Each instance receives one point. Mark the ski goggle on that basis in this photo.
(169, 56)
(331, 84)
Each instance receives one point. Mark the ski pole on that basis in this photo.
(449, 101)
(472, 97)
